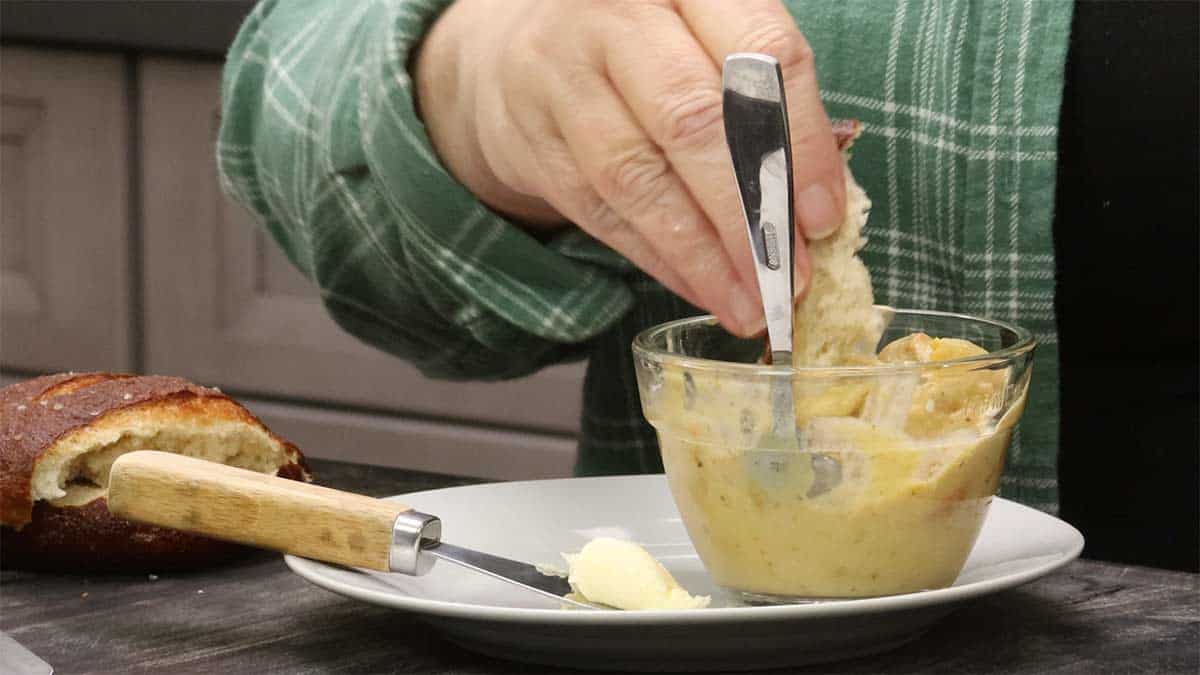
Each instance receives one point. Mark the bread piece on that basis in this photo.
(947, 400)
(836, 322)
(59, 436)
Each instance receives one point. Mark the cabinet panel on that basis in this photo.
(224, 307)
(384, 440)
(64, 221)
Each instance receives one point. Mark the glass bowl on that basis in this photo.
(884, 485)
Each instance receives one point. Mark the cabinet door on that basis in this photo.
(223, 306)
(419, 445)
(65, 278)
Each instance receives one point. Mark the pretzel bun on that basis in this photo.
(59, 436)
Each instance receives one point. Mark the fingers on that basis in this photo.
(608, 181)
(621, 131)
(630, 197)
(673, 90)
(765, 26)
(543, 165)
(578, 201)
(506, 162)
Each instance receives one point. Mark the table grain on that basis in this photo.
(255, 616)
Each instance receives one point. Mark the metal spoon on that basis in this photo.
(756, 130)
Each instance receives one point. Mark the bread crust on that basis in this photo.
(38, 413)
(845, 132)
(87, 538)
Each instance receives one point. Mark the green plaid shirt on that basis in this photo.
(959, 98)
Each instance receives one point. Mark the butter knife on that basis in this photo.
(251, 508)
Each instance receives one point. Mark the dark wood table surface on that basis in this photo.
(255, 616)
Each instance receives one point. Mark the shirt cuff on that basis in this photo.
(568, 290)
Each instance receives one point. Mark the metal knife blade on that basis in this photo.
(504, 569)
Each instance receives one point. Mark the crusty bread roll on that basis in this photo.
(59, 436)
(835, 322)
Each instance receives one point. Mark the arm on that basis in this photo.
(321, 141)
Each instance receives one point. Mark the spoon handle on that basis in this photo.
(756, 129)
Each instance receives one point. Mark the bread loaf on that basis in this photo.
(59, 436)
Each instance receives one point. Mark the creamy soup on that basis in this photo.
(883, 491)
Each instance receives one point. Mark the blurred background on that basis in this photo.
(119, 252)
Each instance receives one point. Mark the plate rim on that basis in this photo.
(313, 572)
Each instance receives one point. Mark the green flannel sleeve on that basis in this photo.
(320, 139)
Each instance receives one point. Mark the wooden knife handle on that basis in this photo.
(251, 508)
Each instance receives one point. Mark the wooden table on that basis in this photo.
(258, 617)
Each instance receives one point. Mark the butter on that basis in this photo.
(624, 575)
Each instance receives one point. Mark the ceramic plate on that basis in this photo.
(534, 521)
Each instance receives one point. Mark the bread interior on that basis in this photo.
(75, 469)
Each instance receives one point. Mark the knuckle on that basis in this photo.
(692, 118)
(783, 41)
(602, 221)
(558, 178)
(635, 177)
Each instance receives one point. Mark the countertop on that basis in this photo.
(255, 616)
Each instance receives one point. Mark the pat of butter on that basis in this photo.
(622, 574)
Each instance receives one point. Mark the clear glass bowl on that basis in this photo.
(884, 485)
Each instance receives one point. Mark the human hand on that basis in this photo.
(607, 114)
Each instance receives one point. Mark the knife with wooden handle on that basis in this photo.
(301, 519)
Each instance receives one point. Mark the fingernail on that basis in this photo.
(747, 311)
(817, 211)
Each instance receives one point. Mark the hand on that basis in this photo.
(607, 114)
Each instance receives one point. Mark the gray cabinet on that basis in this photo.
(219, 302)
(65, 274)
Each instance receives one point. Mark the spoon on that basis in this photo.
(756, 130)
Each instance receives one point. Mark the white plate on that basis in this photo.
(534, 521)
